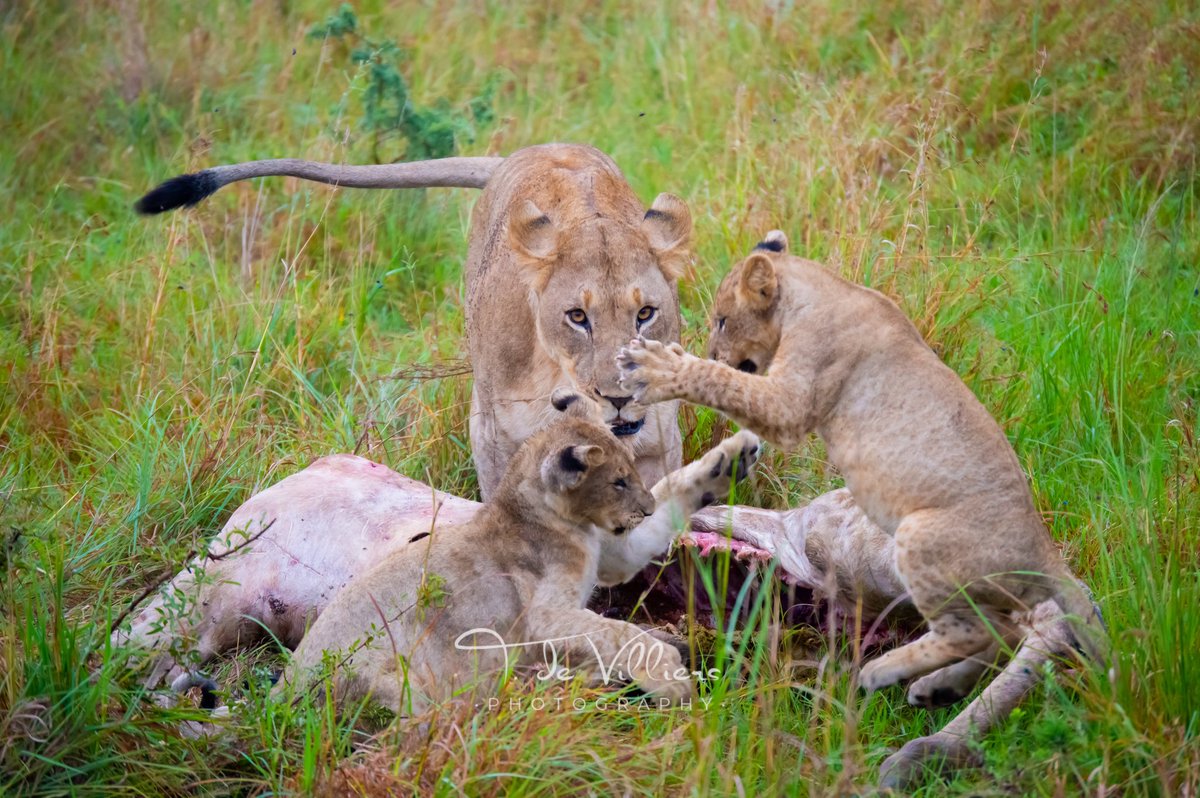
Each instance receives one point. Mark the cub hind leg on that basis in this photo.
(1050, 638)
(965, 589)
(952, 636)
(952, 683)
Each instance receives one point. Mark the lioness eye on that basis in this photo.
(577, 317)
(621, 484)
(645, 314)
(721, 323)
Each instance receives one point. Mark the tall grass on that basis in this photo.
(1020, 177)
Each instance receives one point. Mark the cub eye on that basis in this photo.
(621, 484)
(577, 317)
(645, 314)
(721, 323)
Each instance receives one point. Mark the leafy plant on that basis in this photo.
(388, 108)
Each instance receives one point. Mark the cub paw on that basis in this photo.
(878, 674)
(648, 368)
(936, 690)
(729, 462)
(668, 692)
(659, 671)
(737, 456)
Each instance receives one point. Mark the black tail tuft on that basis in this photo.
(178, 192)
(208, 688)
(208, 694)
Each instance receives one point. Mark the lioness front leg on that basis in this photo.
(676, 497)
(615, 651)
(782, 412)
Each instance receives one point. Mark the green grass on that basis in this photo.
(1020, 177)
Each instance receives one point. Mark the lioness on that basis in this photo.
(796, 349)
(563, 265)
(437, 614)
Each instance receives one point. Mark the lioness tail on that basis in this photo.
(187, 190)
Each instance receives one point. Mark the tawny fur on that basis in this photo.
(799, 350)
(556, 230)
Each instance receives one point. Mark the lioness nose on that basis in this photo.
(617, 401)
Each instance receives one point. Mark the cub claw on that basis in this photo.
(747, 458)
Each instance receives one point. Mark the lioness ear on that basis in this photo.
(564, 469)
(759, 282)
(774, 241)
(668, 228)
(572, 403)
(532, 235)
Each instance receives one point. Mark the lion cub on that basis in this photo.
(920, 454)
(450, 611)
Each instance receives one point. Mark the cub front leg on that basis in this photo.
(709, 479)
(615, 651)
(653, 371)
(778, 410)
(676, 497)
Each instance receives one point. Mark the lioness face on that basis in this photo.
(594, 478)
(745, 325)
(598, 284)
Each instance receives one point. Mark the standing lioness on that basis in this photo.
(564, 264)
(797, 349)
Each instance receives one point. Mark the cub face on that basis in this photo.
(598, 284)
(745, 319)
(590, 472)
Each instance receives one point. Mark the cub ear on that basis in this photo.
(532, 235)
(774, 241)
(759, 283)
(668, 228)
(565, 468)
(570, 402)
